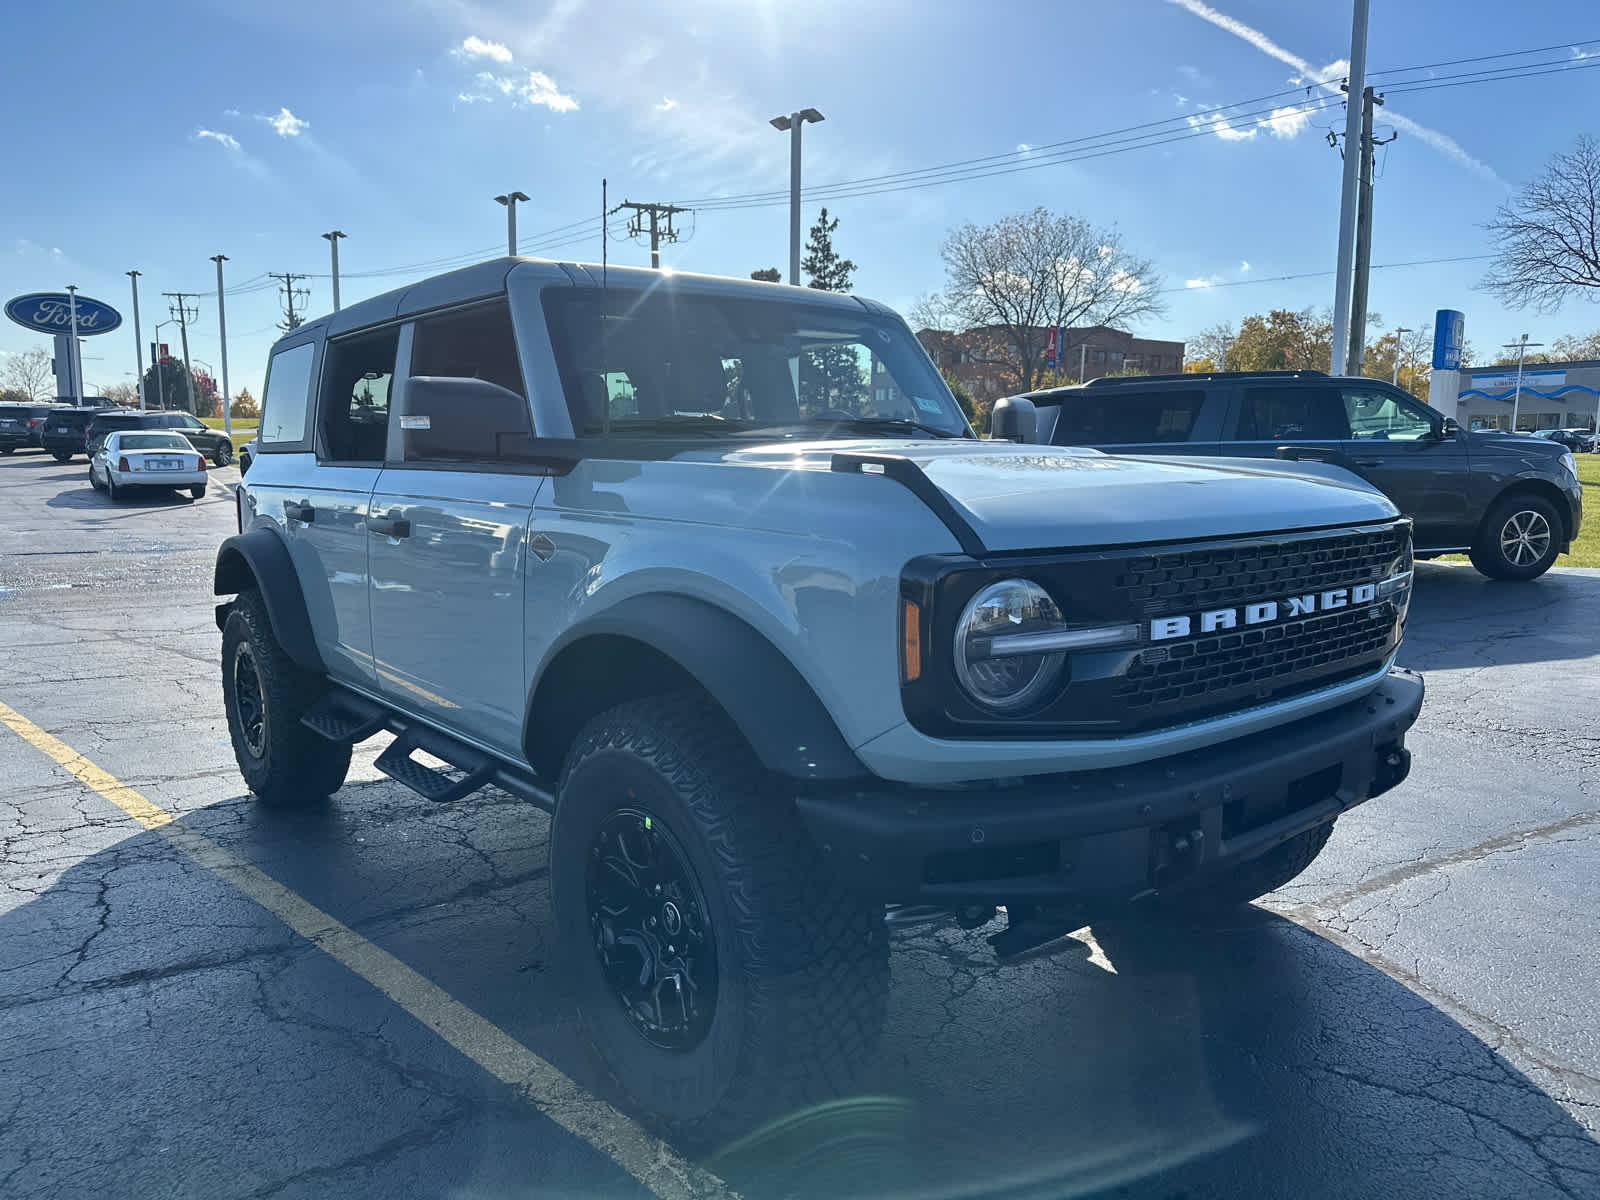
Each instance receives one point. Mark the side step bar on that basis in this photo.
(343, 716)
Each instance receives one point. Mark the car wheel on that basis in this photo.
(112, 490)
(722, 978)
(61, 457)
(223, 456)
(265, 694)
(1518, 540)
(198, 491)
(93, 482)
(1252, 879)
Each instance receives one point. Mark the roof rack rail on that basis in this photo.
(1117, 380)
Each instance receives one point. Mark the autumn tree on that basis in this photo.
(244, 404)
(1547, 237)
(207, 402)
(1035, 269)
(124, 394)
(1283, 340)
(30, 371)
(835, 374)
(1414, 349)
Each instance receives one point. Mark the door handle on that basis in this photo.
(390, 526)
(300, 512)
(1369, 462)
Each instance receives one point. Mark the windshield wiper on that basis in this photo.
(894, 424)
(676, 423)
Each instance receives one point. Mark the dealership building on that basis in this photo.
(1553, 396)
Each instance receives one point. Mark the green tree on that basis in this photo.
(166, 383)
(767, 275)
(14, 396)
(1283, 340)
(835, 377)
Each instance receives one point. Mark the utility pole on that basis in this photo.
(510, 201)
(333, 245)
(1397, 344)
(222, 335)
(658, 232)
(1363, 268)
(287, 279)
(183, 312)
(1344, 269)
(1521, 347)
(138, 338)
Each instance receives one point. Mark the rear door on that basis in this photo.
(1398, 445)
(449, 527)
(1307, 418)
(1127, 420)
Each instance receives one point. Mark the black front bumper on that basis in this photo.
(1107, 837)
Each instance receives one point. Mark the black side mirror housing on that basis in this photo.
(1014, 419)
(1451, 427)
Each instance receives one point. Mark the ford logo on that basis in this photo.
(51, 312)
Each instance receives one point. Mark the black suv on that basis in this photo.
(1512, 503)
(20, 425)
(65, 430)
(213, 443)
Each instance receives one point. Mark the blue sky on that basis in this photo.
(154, 138)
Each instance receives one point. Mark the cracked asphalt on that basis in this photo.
(1415, 1016)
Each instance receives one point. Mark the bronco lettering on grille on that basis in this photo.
(1263, 612)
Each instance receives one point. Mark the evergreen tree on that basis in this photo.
(836, 377)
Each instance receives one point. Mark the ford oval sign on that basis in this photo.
(51, 312)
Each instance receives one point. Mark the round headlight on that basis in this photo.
(992, 677)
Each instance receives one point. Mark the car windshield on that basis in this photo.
(712, 365)
(153, 441)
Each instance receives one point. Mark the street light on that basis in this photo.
(1521, 347)
(793, 124)
(510, 201)
(161, 387)
(138, 336)
(1397, 333)
(333, 244)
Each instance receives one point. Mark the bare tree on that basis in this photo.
(1547, 239)
(1035, 269)
(30, 371)
(1211, 345)
(125, 394)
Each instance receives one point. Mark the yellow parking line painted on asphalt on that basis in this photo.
(648, 1159)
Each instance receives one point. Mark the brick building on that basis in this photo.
(984, 360)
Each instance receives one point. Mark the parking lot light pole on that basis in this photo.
(333, 237)
(509, 200)
(1397, 333)
(792, 124)
(1521, 347)
(138, 338)
(222, 332)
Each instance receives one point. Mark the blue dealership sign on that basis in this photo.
(51, 312)
(1449, 335)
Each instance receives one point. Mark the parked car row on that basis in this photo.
(65, 431)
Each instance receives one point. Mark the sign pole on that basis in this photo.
(74, 358)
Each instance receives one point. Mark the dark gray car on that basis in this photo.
(1512, 503)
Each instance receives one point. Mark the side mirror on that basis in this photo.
(1451, 427)
(1014, 419)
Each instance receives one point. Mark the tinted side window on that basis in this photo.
(353, 415)
(1291, 413)
(1376, 415)
(447, 419)
(1092, 418)
(285, 402)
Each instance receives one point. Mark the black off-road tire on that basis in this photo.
(1253, 879)
(282, 761)
(1489, 554)
(802, 965)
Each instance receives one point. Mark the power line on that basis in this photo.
(291, 293)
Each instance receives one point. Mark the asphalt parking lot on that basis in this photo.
(358, 1000)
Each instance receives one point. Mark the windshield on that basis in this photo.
(153, 441)
(663, 361)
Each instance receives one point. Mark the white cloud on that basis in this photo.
(1286, 122)
(1579, 53)
(230, 112)
(287, 124)
(1204, 282)
(1327, 78)
(667, 104)
(1219, 125)
(1244, 268)
(477, 47)
(222, 139)
(538, 89)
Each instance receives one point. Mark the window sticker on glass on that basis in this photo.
(924, 404)
(416, 422)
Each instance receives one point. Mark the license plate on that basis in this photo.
(8, 424)
(164, 464)
(62, 429)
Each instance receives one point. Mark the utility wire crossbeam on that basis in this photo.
(660, 224)
(183, 312)
(286, 281)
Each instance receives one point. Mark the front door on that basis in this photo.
(1306, 419)
(1398, 445)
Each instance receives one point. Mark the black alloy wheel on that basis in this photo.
(249, 700)
(652, 930)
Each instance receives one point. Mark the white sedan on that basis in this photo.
(131, 458)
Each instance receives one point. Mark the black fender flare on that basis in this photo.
(259, 559)
(765, 696)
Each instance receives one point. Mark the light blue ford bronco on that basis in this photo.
(717, 574)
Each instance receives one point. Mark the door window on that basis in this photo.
(285, 402)
(485, 420)
(1291, 414)
(354, 410)
(1088, 419)
(1379, 416)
